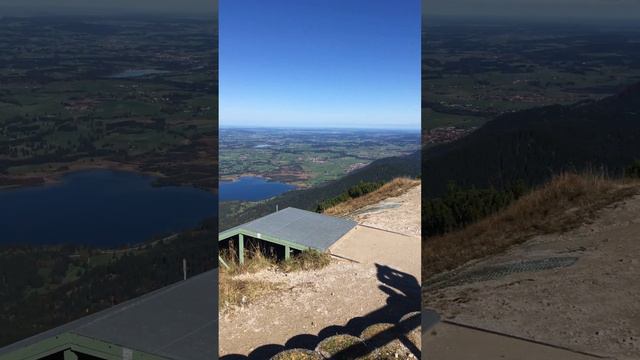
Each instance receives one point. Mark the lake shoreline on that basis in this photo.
(56, 176)
(102, 208)
(251, 188)
(299, 184)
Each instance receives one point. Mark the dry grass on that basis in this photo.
(235, 292)
(395, 187)
(238, 292)
(564, 203)
(254, 261)
(345, 345)
(305, 261)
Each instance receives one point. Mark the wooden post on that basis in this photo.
(241, 248)
(287, 252)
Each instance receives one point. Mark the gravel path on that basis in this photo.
(399, 214)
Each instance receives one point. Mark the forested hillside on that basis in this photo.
(72, 281)
(532, 145)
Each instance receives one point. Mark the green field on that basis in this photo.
(307, 157)
(62, 105)
(478, 70)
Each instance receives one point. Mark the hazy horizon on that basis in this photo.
(108, 7)
(572, 10)
(318, 127)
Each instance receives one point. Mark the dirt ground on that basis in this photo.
(578, 289)
(399, 214)
(343, 298)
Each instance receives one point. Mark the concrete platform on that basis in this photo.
(442, 340)
(370, 245)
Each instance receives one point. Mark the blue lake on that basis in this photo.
(251, 188)
(100, 207)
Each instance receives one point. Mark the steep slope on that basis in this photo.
(235, 213)
(575, 289)
(560, 205)
(534, 144)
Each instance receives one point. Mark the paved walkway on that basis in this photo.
(451, 341)
(369, 245)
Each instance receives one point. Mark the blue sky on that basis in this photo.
(320, 63)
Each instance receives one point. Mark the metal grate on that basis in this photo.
(498, 271)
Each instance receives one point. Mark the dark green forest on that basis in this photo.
(353, 192)
(29, 308)
(483, 173)
(633, 170)
(532, 145)
(460, 207)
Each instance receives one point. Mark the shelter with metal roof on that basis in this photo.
(178, 322)
(291, 230)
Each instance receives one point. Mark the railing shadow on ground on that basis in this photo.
(403, 297)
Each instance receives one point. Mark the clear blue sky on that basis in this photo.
(320, 63)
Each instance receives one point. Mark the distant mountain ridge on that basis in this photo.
(386, 169)
(534, 144)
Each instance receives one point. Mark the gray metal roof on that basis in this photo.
(303, 227)
(177, 322)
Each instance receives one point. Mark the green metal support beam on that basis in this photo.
(70, 345)
(241, 233)
(70, 355)
(222, 262)
(241, 248)
(264, 237)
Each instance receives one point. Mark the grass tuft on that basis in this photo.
(345, 345)
(395, 187)
(237, 292)
(306, 260)
(254, 261)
